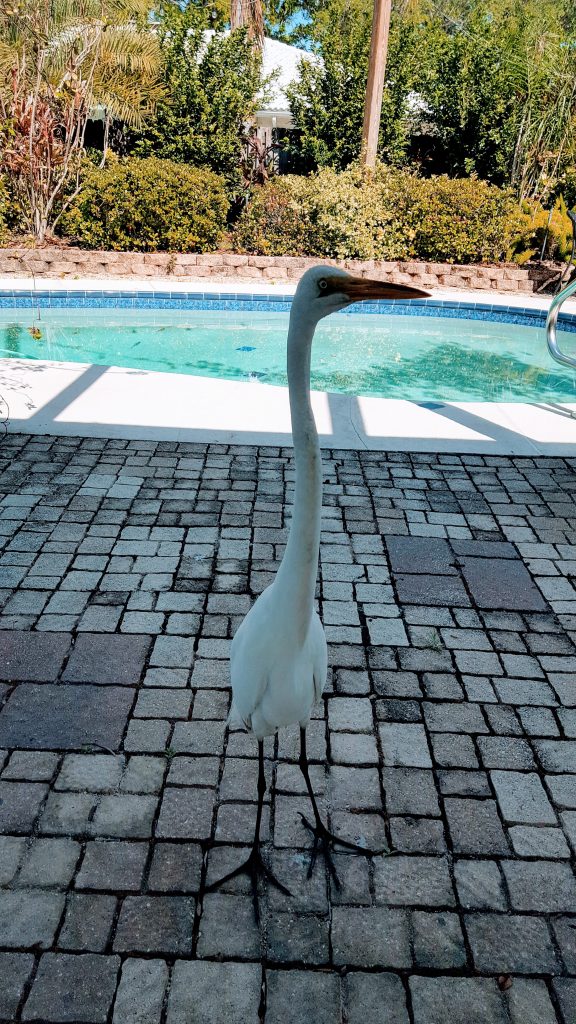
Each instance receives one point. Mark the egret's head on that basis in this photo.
(324, 290)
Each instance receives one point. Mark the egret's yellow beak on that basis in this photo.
(359, 288)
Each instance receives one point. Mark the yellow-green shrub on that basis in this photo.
(541, 232)
(387, 214)
(337, 215)
(148, 205)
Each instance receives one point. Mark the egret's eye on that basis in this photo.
(323, 284)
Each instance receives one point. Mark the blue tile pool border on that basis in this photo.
(249, 302)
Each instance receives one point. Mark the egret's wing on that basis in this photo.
(248, 679)
(319, 684)
(319, 656)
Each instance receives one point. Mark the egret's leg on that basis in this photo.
(323, 838)
(254, 866)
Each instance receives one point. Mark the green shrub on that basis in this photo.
(148, 205)
(276, 220)
(367, 217)
(389, 214)
(465, 220)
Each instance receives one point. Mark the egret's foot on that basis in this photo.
(324, 841)
(255, 867)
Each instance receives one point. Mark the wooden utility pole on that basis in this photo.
(375, 84)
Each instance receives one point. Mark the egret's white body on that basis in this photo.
(277, 673)
(278, 658)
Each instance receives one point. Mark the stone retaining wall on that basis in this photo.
(56, 262)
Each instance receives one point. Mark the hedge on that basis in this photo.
(388, 215)
(148, 205)
(151, 205)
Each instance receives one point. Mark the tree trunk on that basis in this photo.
(248, 13)
(236, 14)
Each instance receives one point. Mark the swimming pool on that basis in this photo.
(426, 352)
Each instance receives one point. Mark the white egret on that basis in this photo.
(278, 656)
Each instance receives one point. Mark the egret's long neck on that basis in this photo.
(296, 579)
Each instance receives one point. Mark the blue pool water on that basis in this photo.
(421, 358)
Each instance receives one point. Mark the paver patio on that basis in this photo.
(448, 730)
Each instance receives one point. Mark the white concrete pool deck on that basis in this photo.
(100, 401)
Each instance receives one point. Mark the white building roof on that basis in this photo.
(283, 61)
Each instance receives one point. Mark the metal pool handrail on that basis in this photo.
(551, 321)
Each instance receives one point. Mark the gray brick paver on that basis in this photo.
(405, 881)
(141, 991)
(460, 1000)
(130, 568)
(214, 993)
(531, 841)
(29, 918)
(15, 969)
(49, 863)
(516, 944)
(541, 885)
(19, 805)
(11, 853)
(528, 1002)
(371, 936)
(522, 798)
(68, 987)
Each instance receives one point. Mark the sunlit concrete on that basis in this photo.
(96, 401)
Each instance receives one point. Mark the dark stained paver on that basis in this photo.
(506, 584)
(155, 923)
(64, 717)
(431, 590)
(33, 656)
(421, 555)
(108, 659)
(447, 733)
